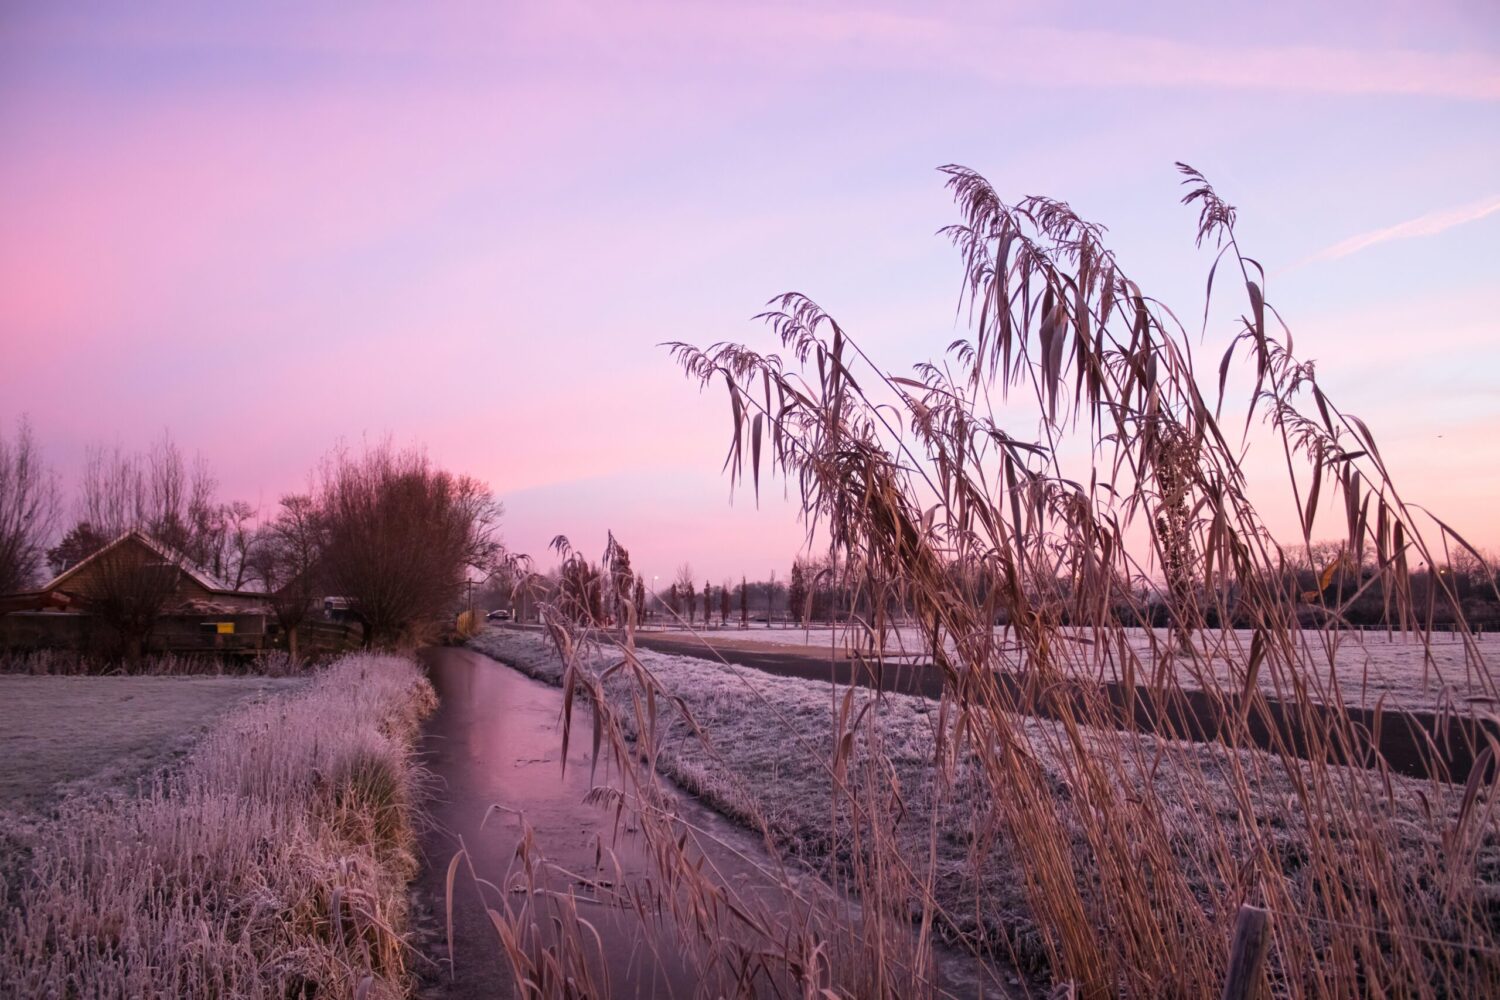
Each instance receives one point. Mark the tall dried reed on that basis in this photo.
(1134, 850)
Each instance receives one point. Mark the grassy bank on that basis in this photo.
(272, 863)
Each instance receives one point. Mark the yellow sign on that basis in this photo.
(225, 628)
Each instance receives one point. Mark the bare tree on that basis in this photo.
(685, 590)
(159, 497)
(28, 509)
(796, 595)
(230, 539)
(399, 536)
(158, 493)
(724, 603)
(771, 599)
(287, 558)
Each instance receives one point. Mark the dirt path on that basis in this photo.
(495, 740)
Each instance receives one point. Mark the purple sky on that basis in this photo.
(271, 229)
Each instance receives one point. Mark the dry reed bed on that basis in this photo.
(1077, 457)
(273, 863)
(768, 743)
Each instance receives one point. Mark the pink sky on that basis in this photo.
(270, 229)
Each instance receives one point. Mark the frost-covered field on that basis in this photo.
(1363, 666)
(106, 730)
(85, 736)
(771, 739)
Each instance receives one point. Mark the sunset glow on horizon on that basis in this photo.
(271, 230)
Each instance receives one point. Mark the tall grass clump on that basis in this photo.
(272, 863)
(1069, 471)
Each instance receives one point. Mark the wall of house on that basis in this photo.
(28, 631)
(33, 630)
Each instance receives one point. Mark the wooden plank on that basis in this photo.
(1252, 940)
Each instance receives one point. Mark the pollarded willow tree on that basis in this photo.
(398, 536)
(1134, 870)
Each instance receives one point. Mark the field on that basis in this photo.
(103, 732)
(1366, 666)
(62, 736)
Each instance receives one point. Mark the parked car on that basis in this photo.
(498, 616)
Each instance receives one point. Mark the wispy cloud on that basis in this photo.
(1423, 225)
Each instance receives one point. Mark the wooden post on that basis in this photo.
(1252, 939)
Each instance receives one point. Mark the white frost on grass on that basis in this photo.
(105, 731)
(79, 736)
(1363, 666)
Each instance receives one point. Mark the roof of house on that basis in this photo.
(196, 573)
